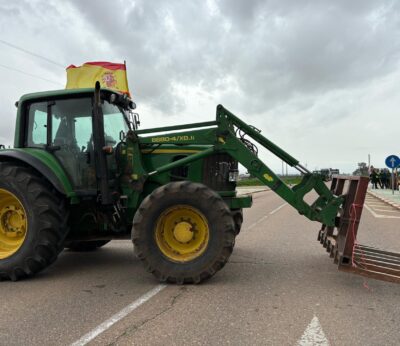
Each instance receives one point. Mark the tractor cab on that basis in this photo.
(63, 125)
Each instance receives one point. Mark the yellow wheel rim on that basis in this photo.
(13, 224)
(182, 233)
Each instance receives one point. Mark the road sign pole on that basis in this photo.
(392, 181)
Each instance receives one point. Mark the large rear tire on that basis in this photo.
(183, 232)
(33, 222)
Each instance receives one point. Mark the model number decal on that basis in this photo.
(172, 139)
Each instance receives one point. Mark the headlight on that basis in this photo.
(233, 175)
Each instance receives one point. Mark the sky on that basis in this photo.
(320, 78)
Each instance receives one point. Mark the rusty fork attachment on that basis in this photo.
(341, 241)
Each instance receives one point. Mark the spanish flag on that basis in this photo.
(110, 75)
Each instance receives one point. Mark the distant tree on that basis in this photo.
(362, 169)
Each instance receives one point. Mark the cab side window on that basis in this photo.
(68, 136)
(37, 125)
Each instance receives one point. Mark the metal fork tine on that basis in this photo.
(350, 256)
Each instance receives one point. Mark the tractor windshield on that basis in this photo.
(115, 122)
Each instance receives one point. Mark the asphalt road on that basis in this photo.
(279, 288)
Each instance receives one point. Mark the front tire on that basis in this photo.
(183, 232)
(33, 222)
(237, 215)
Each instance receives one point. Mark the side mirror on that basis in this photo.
(136, 119)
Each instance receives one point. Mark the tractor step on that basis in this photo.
(341, 241)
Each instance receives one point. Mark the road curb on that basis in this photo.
(387, 201)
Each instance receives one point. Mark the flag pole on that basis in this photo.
(126, 79)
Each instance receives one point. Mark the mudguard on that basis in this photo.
(44, 163)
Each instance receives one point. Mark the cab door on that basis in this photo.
(65, 128)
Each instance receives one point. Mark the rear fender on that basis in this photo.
(43, 162)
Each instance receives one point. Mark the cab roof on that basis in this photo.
(61, 93)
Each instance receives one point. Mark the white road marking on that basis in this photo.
(265, 217)
(277, 209)
(313, 335)
(371, 211)
(257, 222)
(382, 206)
(381, 216)
(388, 210)
(118, 316)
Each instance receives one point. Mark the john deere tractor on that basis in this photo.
(81, 173)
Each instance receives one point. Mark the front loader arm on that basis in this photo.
(324, 209)
(221, 137)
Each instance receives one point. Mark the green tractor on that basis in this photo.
(81, 173)
(79, 176)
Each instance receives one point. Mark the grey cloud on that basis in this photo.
(7, 11)
(288, 63)
(315, 52)
(273, 49)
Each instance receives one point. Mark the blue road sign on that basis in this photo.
(392, 161)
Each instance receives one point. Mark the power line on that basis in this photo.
(29, 74)
(31, 53)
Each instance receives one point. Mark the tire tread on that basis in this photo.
(45, 202)
(225, 222)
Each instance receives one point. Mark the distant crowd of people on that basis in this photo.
(381, 178)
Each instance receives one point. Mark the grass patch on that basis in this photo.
(292, 180)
